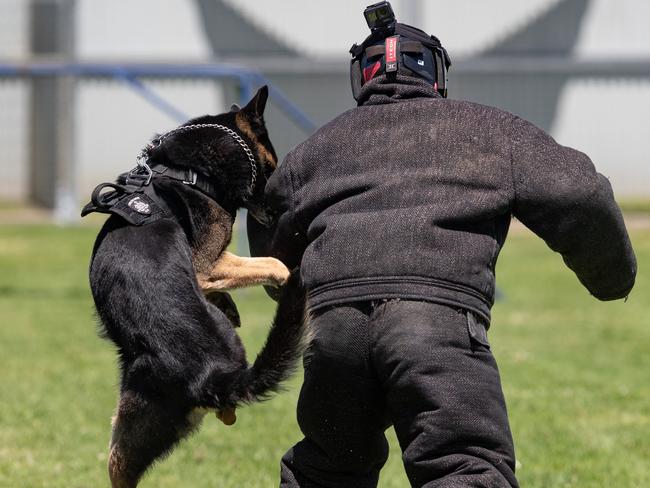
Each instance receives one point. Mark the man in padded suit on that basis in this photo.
(396, 212)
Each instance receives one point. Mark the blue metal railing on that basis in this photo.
(132, 74)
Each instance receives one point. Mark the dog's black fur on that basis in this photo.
(178, 352)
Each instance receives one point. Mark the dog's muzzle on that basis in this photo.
(262, 214)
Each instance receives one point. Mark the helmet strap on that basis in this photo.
(392, 56)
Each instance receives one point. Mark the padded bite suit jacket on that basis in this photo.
(411, 195)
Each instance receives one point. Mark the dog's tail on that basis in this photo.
(284, 346)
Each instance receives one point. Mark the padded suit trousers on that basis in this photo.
(427, 370)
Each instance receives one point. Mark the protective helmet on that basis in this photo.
(403, 50)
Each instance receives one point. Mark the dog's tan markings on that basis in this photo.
(116, 468)
(213, 240)
(218, 270)
(232, 271)
(117, 460)
(117, 464)
(227, 416)
(245, 127)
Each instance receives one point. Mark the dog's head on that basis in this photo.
(217, 155)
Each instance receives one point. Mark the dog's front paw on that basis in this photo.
(280, 274)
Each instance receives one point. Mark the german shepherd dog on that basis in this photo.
(179, 354)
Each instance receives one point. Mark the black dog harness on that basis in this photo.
(134, 198)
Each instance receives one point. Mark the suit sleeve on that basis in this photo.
(285, 238)
(560, 196)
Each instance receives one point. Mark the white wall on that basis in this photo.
(113, 123)
(610, 122)
(464, 26)
(615, 28)
(13, 100)
(13, 29)
(140, 30)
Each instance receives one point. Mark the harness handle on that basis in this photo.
(103, 200)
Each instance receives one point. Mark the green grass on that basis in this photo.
(635, 205)
(575, 373)
(10, 205)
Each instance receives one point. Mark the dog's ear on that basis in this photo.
(256, 106)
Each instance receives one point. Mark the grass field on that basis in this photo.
(575, 374)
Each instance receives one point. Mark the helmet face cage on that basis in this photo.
(418, 55)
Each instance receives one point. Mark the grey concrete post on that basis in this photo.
(52, 178)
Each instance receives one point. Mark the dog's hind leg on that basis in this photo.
(143, 432)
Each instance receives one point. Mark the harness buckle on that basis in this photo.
(142, 170)
(193, 178)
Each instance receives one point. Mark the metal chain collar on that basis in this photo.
(142, 158)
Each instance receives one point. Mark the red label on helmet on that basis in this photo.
(370, 72)
(391, 49)
(391, 54)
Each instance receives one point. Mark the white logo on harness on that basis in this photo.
(139, 206)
